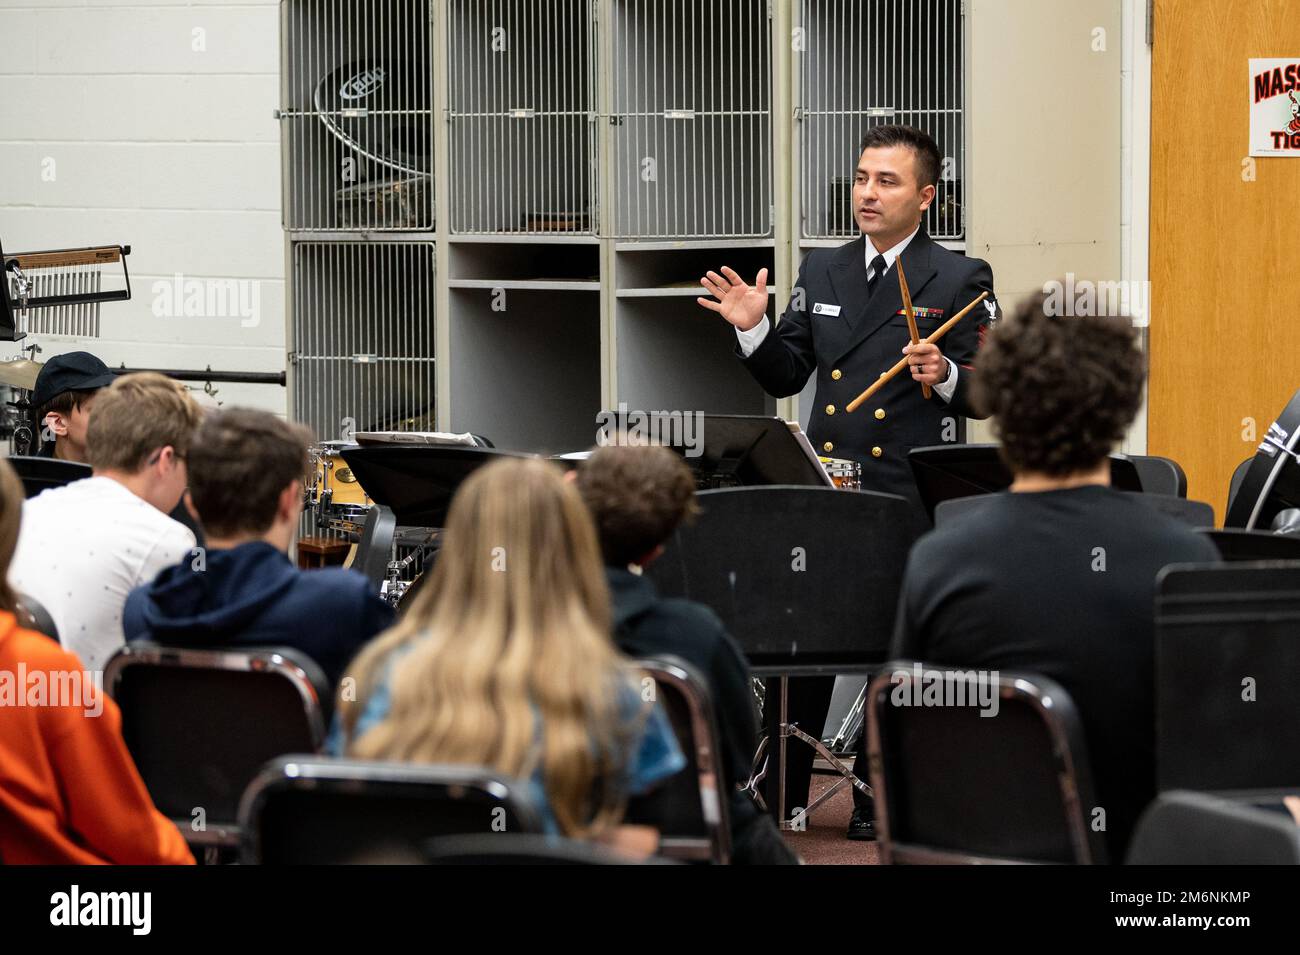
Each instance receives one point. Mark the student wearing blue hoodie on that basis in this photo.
(246, 471)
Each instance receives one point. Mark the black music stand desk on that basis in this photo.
(806, 580)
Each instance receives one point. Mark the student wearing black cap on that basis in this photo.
(65, 390)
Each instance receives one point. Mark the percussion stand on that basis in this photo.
(786, 731)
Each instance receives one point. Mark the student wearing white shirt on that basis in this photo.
(84, 547)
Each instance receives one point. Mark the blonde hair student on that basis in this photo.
(506, 660)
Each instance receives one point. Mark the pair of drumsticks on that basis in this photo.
(916, 339)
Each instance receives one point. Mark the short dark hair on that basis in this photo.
(922, 144)
(1061, 390)
(63, 403)
(637, 497)
(135, 416)
(240, 463)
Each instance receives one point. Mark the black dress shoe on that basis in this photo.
(861, 829)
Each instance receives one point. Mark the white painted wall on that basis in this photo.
(157, 116)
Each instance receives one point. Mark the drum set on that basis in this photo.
(333, 495)
(338, 505)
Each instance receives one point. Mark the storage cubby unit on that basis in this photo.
(691, 111)
(662, 273)
(520, 120)
(860, 65)
(527, 368)
(362, 336)
(674, 355)
(356, 115)
(553, 265)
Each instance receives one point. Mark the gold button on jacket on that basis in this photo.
(880, 414)
(876, 452)
(828, 446)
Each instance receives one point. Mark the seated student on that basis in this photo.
(64, 394)
(638, 496)
(505, 661)
(246, 477)
(1057, 577)
(85, 546)
(69, 791)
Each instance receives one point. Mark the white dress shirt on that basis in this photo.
(750, 340)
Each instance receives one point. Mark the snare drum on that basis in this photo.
(846, 475)
(333, 491)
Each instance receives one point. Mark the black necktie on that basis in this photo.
(878, 269)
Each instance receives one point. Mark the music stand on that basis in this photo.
(1271, 483)
(807, 581)
(417, 482)
(1217, 625)
(734, 450)
(949, 471)
(415, 485)
(1236, 545)
(41, 474)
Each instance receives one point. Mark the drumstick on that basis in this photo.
(910, 313)
(888, 376)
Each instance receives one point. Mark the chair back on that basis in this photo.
(953, 785)
(201, 723)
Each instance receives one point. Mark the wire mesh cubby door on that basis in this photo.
(864, 63)
(520, 116)
(357, 84)
(692, 116)
(363, 337)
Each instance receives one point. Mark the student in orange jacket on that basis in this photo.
(69, 791)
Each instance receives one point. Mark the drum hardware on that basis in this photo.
(16, 423)
(846, 475)
(758, 768)
(332, 492)
(396, 586)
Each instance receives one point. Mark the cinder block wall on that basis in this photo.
(150, 123)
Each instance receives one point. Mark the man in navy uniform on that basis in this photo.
(845, 320)
(845, 323)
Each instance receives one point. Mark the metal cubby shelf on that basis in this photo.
(591, 159)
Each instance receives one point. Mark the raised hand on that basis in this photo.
(742, 305)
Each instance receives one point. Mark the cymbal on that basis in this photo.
(20, 373)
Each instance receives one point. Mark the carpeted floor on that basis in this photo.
(823, 842)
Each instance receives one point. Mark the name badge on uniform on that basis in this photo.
(823, 309)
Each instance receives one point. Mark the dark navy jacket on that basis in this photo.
(852, 348)
(647, 625)
(251, 595)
